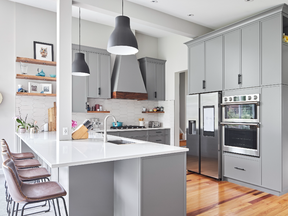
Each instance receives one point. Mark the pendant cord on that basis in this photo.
(122, 7)
(79, 29)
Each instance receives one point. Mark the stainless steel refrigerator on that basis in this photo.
(203, 134)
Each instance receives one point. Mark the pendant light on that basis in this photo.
(122, 41)
(79, 66)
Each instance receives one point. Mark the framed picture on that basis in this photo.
(46, 88)
(34, 87)
(43, 51)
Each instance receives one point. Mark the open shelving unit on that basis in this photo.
(35, 61)
(154, 112)
(34, 94)
(32, 77)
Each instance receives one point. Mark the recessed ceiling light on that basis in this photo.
(190, 15)
(154, 1)
(248, 0)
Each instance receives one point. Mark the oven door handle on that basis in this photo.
(241, 103)
(240, 123)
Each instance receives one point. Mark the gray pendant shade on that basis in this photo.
(79, 66)
(122, 41)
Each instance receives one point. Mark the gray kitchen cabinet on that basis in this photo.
(271, 31)
(213, 64)
(153, 73)
(270, 137)
(250, 55)
(232, 59)
(196, 68)
(98, 84)
(79, 89)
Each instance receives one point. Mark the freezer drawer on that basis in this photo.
(242, 168)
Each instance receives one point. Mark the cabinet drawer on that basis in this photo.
(156, 139)
(156, 132)
(113, 133)
(242, 168)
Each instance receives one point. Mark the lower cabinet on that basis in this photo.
(242, 168)
(158, 136)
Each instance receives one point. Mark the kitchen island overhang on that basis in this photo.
(142, 178)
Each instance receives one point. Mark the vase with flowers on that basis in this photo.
(33, 127)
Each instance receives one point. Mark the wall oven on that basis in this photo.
(240, 124)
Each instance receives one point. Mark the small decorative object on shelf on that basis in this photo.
(53, 75)
(43, 88)
(285, 38)
(23, 68)
(20, 89)
(40, 73)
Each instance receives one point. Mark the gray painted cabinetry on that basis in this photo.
(98, 84)
(159, 136)
(153, 72)
(255, 61)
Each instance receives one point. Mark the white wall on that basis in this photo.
(7, 77)
(173, 50)
(148, 46)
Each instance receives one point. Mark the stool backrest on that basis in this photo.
(13, 180)
(5, 156)
(4, 146)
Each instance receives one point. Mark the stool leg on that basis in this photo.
(13, 208)
(54, 207)
(58, 207)
(65, 207)
(17, 207)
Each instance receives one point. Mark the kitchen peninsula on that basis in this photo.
(142, 178)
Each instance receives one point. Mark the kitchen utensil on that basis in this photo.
(119, 124)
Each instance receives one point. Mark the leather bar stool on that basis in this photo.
(15, 156)
(31, 193)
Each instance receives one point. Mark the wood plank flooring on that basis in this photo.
(209, 197)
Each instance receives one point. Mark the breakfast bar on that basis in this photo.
(141, 178)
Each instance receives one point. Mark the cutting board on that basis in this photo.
(52, 113)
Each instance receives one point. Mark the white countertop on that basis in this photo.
(134, 129)
(80, 152)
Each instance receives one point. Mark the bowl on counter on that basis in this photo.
(119, 124)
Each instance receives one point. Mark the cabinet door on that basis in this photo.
(157, 139)
(79, 90)
(214, 64)
(93, 62)
(250, 55)
(151, 81)
(232, 65)
(196, 68)
(104, 77)
(160, 81)
(271, 50)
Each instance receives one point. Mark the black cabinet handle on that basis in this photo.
(99, 91)
(204, 84)
(239, 79)
(155, 94)
(158, 140)
(158, 131)
(239, 168)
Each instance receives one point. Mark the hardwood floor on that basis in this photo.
(209, 197)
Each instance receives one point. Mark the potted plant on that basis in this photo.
(22, 124)
(33, 127)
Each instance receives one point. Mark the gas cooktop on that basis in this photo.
(128, 127)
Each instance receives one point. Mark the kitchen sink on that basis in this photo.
(120, 142)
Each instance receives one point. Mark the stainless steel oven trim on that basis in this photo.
(240, 123)
(241, 102)
(238, 150)
(241, 120)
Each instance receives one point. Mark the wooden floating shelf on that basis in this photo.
(34, 94)
(154, 112)
(98, 111)
(35, 61)
(32, 77)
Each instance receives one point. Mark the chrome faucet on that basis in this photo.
(105, 126)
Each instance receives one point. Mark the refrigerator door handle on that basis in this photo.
(192, 127)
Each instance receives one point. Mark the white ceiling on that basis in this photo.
(209, 13)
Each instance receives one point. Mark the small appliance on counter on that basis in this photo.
(154, 124)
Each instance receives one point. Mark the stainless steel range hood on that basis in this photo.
(127, 80)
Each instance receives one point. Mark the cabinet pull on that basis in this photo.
(158, 140)
(239, 168)
(99, 91)
(155, 94)
(239, 79)
(158, 131)
(204, 84)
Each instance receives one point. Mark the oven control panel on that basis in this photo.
(241, 98)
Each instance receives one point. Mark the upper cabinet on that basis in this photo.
(98, 84)
(205, 66)
(153, 72)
